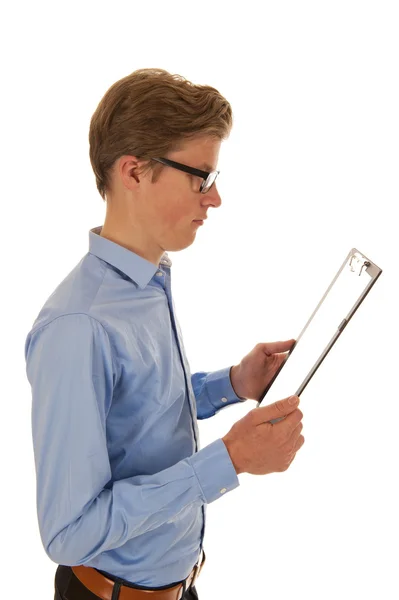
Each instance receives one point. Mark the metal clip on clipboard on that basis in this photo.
(359, 261)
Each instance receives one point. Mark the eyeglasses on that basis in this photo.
(209, 178)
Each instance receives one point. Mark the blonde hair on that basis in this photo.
(148, 114)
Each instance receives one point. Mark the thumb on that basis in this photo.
(274, 347)
(279, 409)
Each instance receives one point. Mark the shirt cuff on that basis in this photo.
(220, 390)
(215, 470)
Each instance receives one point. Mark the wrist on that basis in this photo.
(229, 449)
(235, 384)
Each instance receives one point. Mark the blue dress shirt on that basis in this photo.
(122, 484)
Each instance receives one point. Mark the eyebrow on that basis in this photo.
(206, 166)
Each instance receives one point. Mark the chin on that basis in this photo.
(176, 245)
(179, 242)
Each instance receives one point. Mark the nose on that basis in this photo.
(214, 196)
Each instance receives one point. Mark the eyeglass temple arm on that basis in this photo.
(191, 170)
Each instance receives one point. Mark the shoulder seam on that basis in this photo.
(90, 317)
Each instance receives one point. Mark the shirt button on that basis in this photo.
(223, 490)
(224, 399)
(159, 274)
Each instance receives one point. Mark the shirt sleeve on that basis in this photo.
(213, 391)
(81, 512)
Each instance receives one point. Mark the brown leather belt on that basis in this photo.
(103, 587)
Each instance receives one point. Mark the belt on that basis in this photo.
(103, 587)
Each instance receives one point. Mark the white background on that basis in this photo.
(309, 171)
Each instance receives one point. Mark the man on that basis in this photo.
(122, 485)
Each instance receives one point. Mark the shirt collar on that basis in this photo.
(134, 266)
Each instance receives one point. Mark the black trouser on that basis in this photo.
(66, 581)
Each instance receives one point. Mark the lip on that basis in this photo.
(199, 222)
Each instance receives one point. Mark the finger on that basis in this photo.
(275, 347)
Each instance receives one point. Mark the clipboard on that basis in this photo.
(352, 283)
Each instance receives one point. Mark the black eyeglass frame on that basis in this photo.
(198, 172)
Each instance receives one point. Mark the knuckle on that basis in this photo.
(252, 415)
(288, 458)
(279, 405)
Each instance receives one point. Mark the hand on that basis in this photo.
(256, 370)
(258, 447)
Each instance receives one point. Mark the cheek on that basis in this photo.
(177, 215)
